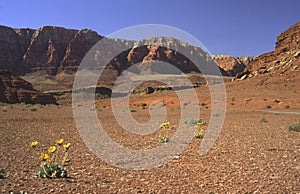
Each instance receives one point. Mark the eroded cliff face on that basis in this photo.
(232, 65)
(284, 61)
(48, 49)
(13, 89)
(51, 50)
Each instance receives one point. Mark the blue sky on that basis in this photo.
(233, 27)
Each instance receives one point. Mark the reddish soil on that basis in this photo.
(249, 156)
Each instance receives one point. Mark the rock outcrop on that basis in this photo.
(232, 65)
(13, 89)
(284, 61)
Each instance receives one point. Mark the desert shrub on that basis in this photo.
(276, 100)
(5, 109)
(287, 106)
(133, 110)
(144, 105)
(93, 108)
(264, 120)
(269, 106)
(248, 99)
(33, 109)
(294, 127)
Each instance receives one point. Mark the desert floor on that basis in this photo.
(255, 152)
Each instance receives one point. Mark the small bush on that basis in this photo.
(269, 106)
(5, 109)
(294, 127)
(133, 110)
(248, 100)
(144, 105)
(33, 109)
(287, 106)
(276, 100)
(264, 120)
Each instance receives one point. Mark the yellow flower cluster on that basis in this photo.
(199, 133)
(165, 124)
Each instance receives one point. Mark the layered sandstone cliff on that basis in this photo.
(13, 89)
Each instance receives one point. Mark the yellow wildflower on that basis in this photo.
(44, 157)
(52, 149)
(165, 124)
(60, 141)
(54, 174)
(66, 146)
(202, 131)
(34, 144)
(200, 123)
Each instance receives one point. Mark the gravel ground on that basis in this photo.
(249, 156)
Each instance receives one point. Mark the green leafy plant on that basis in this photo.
(164, 136)
(52, 165)
(294, 127)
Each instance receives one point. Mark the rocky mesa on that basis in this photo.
(52, 50)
